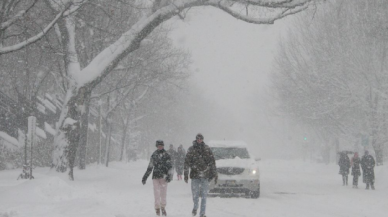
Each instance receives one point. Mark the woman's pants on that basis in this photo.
(345, 179)
(160, 192)
(355, 180)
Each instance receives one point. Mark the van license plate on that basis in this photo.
(230, 182)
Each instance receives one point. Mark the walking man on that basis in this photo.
(160, 163)
(368, 165)
(201, 163)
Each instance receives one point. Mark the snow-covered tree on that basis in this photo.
(82, 79)
(331, 72)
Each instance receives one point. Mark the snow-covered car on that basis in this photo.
(238, 171)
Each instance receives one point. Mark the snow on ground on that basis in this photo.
(289, 189)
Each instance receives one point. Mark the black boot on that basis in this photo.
(194, 212)
(372, 185)
(346, 178)
(164, 213)
(367, 186)
(157, 212)
(343, 180)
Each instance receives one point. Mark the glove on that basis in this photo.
(143, 181)
(186, 179)
(168, 179)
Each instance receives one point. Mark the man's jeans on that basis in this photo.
(200, 187)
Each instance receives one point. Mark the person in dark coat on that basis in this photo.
(160, 163)
(179, 161)
(202, 165)
(344, 164)
(356, 171)
(171, 151)
(368, 165)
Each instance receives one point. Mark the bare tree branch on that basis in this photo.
(66, 11)
(266, 20)
(15, 18)
(13, 48)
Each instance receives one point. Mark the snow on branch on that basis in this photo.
(17, 16)
(273, 3)
(269, 19)
(141, 96)
(33, 39)
(109, 58)
(69, 122)
(67, 10)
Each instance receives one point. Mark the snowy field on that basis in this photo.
(289, 188)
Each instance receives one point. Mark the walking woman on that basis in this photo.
(356, 171)
(344, 164)
(160, 163)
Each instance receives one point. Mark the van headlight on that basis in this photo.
(253, 172)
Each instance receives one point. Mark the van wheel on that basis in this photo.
(255, 194)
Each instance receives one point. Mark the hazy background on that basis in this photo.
(231, 63)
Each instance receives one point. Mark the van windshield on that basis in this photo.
(229, 153)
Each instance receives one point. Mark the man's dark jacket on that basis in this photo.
(200, 161)
(160, 163)
(367, 165)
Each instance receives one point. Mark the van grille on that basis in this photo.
(230, 170)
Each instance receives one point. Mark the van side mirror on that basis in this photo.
(257, 159)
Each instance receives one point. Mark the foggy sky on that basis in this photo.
(231, 64)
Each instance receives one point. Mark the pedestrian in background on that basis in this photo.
(344, 164)
(180, 161)
(171, 151)
(368, 165)
(356, 171)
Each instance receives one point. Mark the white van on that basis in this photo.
(238, 171)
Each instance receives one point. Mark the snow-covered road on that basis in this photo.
(289, 188)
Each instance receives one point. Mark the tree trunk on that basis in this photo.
(73, 138)
(84, 131)
(68, 133)
(123, 143)
(67, 138)
(337, 148)
(379, 157)
(99, 135)
(378, 151)
(108, 145)
(375, 143)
